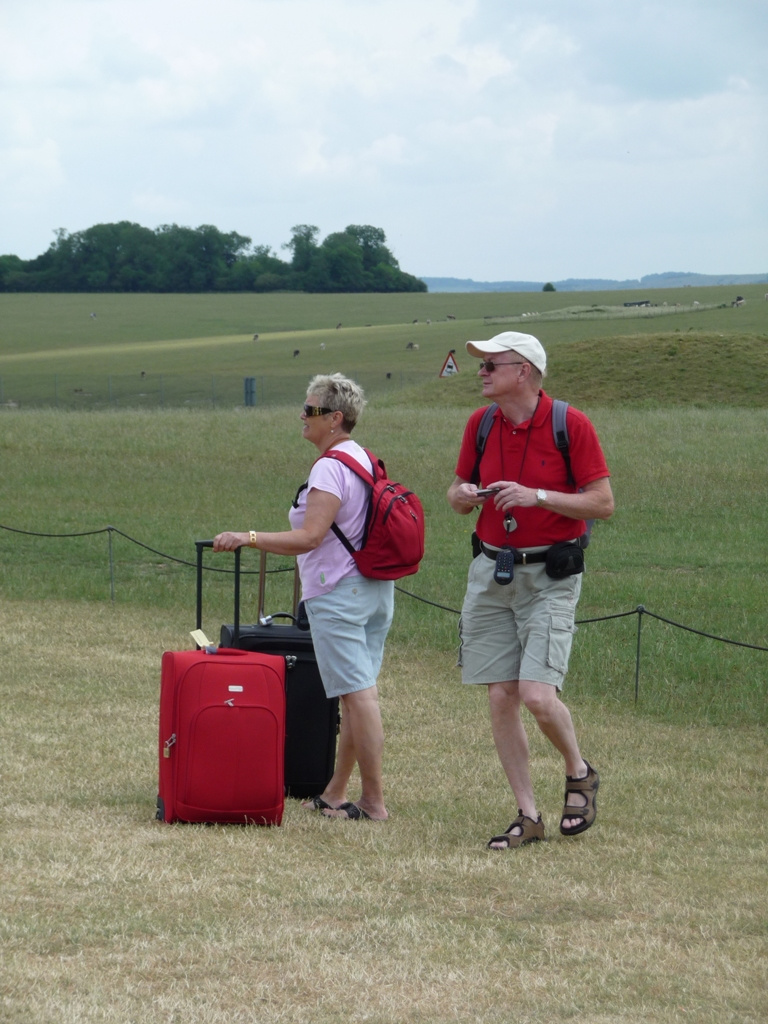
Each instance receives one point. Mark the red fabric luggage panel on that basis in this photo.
(222, 737)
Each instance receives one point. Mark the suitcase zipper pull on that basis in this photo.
(168, 744)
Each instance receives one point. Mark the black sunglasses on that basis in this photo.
(489, 366)
(316, 410)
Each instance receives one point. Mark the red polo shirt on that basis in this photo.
(528, 455)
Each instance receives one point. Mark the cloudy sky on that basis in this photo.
(489, 139)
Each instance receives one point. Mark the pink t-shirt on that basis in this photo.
(320, 570)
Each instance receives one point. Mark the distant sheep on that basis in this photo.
(738, 301)
(322, 346)
(255, 337)
(450, 317)
(296, 352)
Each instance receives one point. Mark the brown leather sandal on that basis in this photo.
(530, 832)
(586, 812)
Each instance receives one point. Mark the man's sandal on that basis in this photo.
(530, 832)
(586, 813)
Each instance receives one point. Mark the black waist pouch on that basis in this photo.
(565, 559)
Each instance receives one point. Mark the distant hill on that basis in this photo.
(672, 279)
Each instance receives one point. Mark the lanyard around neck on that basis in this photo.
(525, 446)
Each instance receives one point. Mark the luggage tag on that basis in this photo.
(202, 641)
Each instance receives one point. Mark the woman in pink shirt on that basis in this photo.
(349, 614)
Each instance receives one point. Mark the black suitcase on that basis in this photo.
(311, 719)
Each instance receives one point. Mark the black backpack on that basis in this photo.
(559, 434)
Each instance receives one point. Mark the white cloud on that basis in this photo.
(488, 139)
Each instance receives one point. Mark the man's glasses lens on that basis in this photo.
(316, 410)
(489, 366)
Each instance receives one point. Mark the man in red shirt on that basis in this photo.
(517, 621)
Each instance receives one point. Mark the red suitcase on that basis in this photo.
(222, 737)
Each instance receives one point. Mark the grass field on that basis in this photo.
(154, 350)
(657, 914)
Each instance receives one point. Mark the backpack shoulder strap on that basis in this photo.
(483, 430)
(559, 428)
(368, 478)
(350, 463)
(560, 435)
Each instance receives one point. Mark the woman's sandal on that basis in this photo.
(351, 813)
(530, 832)
(585, 812)
(317, 804)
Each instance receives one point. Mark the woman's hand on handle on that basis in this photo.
(229, 541)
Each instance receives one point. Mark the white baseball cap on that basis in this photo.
(526, 345)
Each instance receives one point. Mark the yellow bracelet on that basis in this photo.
(252, 539)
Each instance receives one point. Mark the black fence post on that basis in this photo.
(111, 565)
(640, 610)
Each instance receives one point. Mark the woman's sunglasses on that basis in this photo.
(316, 410)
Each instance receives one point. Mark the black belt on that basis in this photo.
(521, 557)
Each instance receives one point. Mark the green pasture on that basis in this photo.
(684, 542)
(148, 351)
(657, 914)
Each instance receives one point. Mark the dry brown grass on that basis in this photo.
(658, 914)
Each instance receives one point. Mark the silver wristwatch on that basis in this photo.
(541, 497)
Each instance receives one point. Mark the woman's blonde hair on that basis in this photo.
(338, 393)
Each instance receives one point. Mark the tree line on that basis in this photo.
(127, 257)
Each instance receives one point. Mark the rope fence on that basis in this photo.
(640, 610)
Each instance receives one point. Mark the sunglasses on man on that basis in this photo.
(489, 365)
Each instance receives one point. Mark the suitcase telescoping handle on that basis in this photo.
(200, 545)
(296, 616)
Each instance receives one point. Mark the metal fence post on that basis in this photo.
(111, 565)
(640, 611)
